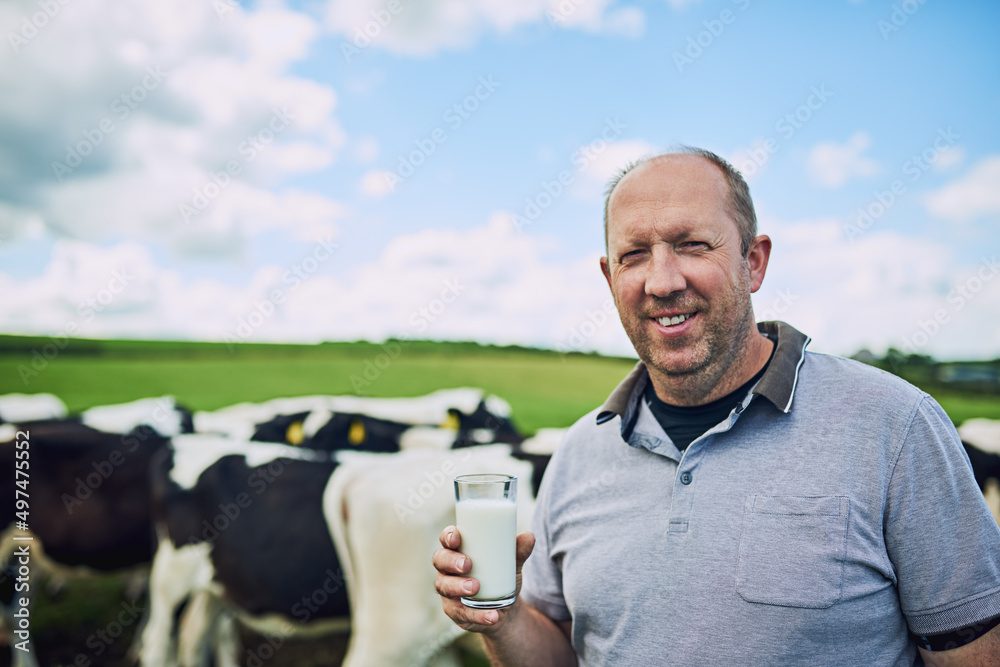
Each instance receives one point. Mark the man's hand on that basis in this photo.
(453, 583)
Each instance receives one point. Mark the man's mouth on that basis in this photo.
(672, 321)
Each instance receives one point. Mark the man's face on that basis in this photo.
(679, 280)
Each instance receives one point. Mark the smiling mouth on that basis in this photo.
(673, 321)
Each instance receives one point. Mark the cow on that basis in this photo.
(163, 415)
(982, 433)
(357, 432)
(242, 420)
(981, 439)
(292, 541)
(18, 408)
(392, 423)
(432, 409)
(89, 498)
(985, 465)
(462, 409)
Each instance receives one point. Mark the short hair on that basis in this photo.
(739, 206)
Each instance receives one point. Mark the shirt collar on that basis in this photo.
(777, 384)
(782, 375)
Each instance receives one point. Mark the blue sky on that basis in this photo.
(832, 110)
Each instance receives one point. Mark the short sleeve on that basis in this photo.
(943, 541)
(541, 585)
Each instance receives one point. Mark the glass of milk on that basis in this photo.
(486, 517)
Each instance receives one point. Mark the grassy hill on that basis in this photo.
(545, 388)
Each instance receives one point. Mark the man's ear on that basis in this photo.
(760, 252)
(606, 270)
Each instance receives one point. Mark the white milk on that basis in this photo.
(489, 531)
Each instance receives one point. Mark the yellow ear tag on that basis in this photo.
(356, 434)
(451, 422)
(295, 435)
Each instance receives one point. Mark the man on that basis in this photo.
(738, 500)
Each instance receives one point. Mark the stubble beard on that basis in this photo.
(694, 367)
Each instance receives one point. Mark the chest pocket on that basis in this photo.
(792, 550)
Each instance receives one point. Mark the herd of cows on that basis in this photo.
(294, 517)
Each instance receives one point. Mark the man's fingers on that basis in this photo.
(455, 587)
(447, 561)
(473, 620)
(525, 545)
(450, 538)
(451, 585)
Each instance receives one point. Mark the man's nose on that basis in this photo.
(665, 274)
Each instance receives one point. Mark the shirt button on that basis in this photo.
(686, 478)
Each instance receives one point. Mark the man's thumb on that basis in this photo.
(525, 545)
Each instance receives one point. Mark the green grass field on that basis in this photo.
(544, 388)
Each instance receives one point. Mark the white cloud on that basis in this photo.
(628, 22)
(376, 183)
(949, 157)
(83, 289)
(366, 149)
(143, 106)
(487, 283)
(490, 284)
(598, 161)
(423, 28)
(596, 16)
(832, 164)
(975, 194)
(752, 160)
(878, 291)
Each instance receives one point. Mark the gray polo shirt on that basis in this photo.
(832, 510)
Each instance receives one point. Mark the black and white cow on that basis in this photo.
(19, 408)
(292, 541)
(985, 465)
(162, 415)
(368, 434)
(89, 498)
(469, 412)
(89, 503)
(358, 432)
(90, 508)
(981, 439)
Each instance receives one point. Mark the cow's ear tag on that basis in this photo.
(451, 422)
(356, 434)
(295, 435)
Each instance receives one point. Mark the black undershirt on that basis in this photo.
(685, 423)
